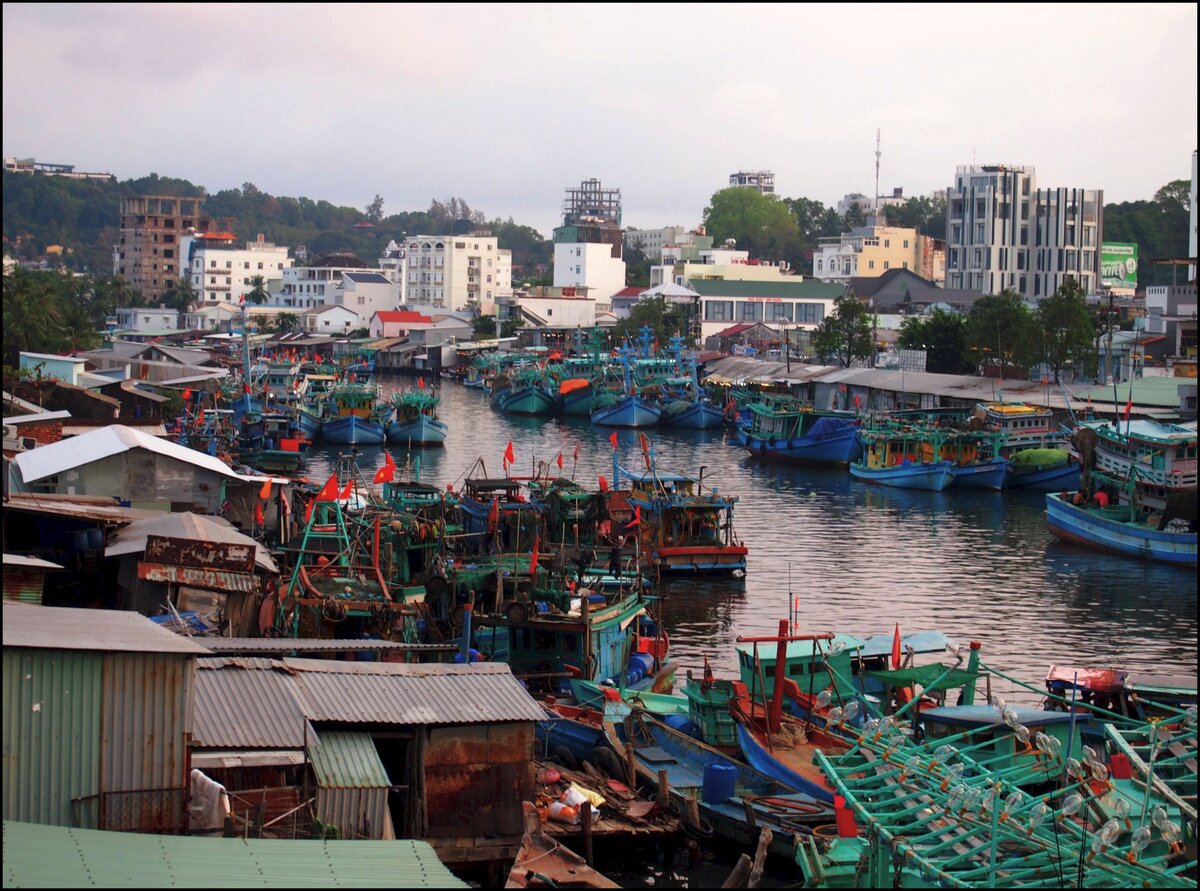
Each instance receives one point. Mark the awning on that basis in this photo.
(203, 760)
(194, 577)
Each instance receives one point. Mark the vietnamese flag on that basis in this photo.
(246, 389)
(258, 515)
(329, 492)
(896, 648)
(533, 561)
(613, 439)
(187, 394)
(509, 456)
(387, 472)
(603, 484)
(494, 515)
(265, 492)
(347, 492)
(560, 460)
(637, 517)
(1128, 405)
(420, 383)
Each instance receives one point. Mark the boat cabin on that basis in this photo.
(813, 665)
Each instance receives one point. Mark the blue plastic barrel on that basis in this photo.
(720, 779)
(474, 655)
(597, 598)
(632, 677)
(684, 725)
(95, 539)
(643, 662)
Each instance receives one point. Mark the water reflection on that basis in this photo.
(859, 558)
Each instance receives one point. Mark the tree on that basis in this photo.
(1175, 195)
(663, 317)
(999, 324)
(855, 216)
(375, 209)
(75, 329)
(1066, 325)
(483, 327)
(30, 312)
(181, 295)
(258, 291)
(760, 224)
(941, 335)
(845, 334)
(286, 322)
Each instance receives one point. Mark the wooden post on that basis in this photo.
(585, 814)
(691, 811)
(760, 857)
(664, 794)
(630, 766)
(751, 821)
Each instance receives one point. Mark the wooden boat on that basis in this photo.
(784, 429)
(543, 862)
(589, 694)
(416, 421)
(355, 416)
(726, 790)
(903, 456)
(1160, 459)
(1135, 694)
(630, 408)
(525, 391)
(1032, 443)
(1120, 529)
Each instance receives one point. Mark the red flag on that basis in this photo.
(246, 389)
(258, 515)
(533, 561)
(509, 456)
(420, 383)
(560, 460)
(613, 439)
(329, 492)
(347, 491)
(637, 517)
(1128, 405)
(387, 472)
(242, 299)
(187, 394)
(896, 649)
(494, 515)
(603, 484)
(265, 492)
(200, 416)
(576, 451)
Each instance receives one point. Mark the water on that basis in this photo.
(975, 565)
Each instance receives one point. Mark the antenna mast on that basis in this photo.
(878, 152)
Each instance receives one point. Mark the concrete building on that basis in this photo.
(683, 243)
(33, 167)
(589, 245)
(868, 205)
(792, 304)
(1004, 232)
(1171, 312)
(331, 319)
(590, 268)
(314, 286)
(221, 271)
(719, 263)
(457, 271)
(761, 181)
(147, 320)
(147, 255)
(396, 323)
(866, 251)
(564, 310)
(68, 369)
(393, 263)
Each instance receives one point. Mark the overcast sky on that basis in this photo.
(507, 105)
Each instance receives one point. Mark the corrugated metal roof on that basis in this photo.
(58, 857)
(29, 562)
(78, 507)
(113, 440)
(347, 760)
(38, 418)
(80, 429)
(247, 704)
(101, 630)
(132, 539)
(283, 646)
(396, 693)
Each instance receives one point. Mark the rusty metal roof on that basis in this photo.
(247, 704)
(284, 645)
(100, 630)
(397, 693)
(78, 507)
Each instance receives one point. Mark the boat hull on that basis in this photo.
(523, 401)
(760, 759)
(629, 412)
(933, 477)
(1045, 479)
(697, 416)
(700, 559)
(1101, 530)
(424, 431)
(985, 475)
(840, 449)
(352, 430)
(578, 403)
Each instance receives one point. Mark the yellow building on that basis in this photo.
(867, 252)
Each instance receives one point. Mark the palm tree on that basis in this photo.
(286, 322)
(258, 291)
(181, 295)
(30, 311)
(75, 329)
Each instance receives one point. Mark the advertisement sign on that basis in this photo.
(1118, 265)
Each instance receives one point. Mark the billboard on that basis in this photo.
(1118, 265)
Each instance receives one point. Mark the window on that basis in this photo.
(870, 264)
(212, 264)
(887, 242)
(887, 264)
(906, 242)
(819, 265)
(810, 313)
(718, 310)
(779, 312)
(246, 265)
(751, 312)
(260, 266)
(229, 281)
(549, 311)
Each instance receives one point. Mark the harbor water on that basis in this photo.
(853, 558)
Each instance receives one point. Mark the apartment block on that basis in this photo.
(761, 181)
(457, 272)
(147, 255)
(221, 269)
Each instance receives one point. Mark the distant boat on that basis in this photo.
(416, 419)
(784, 429)
(903, 457)
(525, 391)
(1120, 529)
(356, 418)
(1035, 448)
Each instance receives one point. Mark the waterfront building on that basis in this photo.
(794, 304)
(588, 246)
(1171, 313)
(592, 268)
(903, 291)
(147, 255)
(457, 271)
(393, 263)
(761, 181)
(221, 271)
(396, 323)
(148, 320)
(719, 263)
(1003, 232)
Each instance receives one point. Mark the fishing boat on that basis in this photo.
(727, 791)
(1134, 694)
(589, 694)
(1160, 459)
(681, 529)
(356, 417)
(525, 391)
(1033, 444)
(977, 462)
(269, 442)
(1120, 529)
(627, 409)
(903, 456)
(784, 429)
(685, 403)
(416, 421)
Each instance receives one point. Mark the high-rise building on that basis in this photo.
(222, 270)
(1003, 232)
(457, 271)
(147, 256)
(761, 181)
(588, 245)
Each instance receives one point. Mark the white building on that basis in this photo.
(868, 205)
(457, 271)
(720, 263)
(761, 181)
(394, 264)
(221, 271)
(1004, 232)
(563, 311)
(652, 241)
(589, 266)
(147, 320)
(366, 292)
(331, 320)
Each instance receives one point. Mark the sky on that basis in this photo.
(507, 105)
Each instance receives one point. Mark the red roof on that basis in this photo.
(401, 315)
(735, 329)
(222, 235)
(630, 292)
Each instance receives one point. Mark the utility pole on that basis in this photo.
(878, 152)
(1108, 357)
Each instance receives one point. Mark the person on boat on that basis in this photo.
(1101, 498)
(614, 556)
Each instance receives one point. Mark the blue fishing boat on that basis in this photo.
(725, 788)
(784, 429)
(1032, 443)
(629, 409)
(1120, 529)
(416, 421)
(355, 416)
(525, 391)
(977, 460)
(901, 456)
